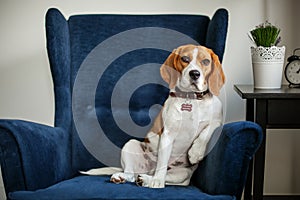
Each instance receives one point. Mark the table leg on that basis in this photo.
(248, 186)
(259, 160)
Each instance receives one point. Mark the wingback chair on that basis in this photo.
(108, 89)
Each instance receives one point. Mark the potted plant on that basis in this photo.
(267, 56)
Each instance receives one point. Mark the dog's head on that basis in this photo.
(193, 69)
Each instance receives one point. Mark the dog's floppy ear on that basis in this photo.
(168, 70)
(217, 78)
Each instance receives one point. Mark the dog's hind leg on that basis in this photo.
(180, 176)
(133, 160)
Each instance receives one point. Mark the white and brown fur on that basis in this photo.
(178, 139)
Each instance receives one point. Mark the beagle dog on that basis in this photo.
(177, 141)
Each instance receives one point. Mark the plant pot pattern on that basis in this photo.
(268, 54)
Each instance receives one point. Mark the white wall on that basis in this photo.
(25, 80)
(282, 161)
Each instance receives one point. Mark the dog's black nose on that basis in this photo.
(194, 74)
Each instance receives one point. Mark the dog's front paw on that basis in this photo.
(194, 157)
(157, 183)
(145, 180)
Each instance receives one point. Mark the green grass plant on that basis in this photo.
(265, 35)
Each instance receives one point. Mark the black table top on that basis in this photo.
(249, 92)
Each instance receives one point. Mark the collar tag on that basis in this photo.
(186, 107)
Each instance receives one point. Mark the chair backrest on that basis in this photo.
(106, 76)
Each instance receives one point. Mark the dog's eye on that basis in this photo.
(185, 59)
(205, 62)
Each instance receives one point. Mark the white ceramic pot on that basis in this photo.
(267, 63)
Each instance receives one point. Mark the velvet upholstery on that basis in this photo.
(42, 162)
(87, 187)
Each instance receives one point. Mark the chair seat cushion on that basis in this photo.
(99, 187)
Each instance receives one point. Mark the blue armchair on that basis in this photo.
(107, 86)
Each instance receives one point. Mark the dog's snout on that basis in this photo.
(194, 74)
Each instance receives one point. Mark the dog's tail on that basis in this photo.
(102, 171)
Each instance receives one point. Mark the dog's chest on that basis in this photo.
(183, 117)
(181, 109)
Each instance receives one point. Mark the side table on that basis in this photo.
(276, 108)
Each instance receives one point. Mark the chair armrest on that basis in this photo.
(32, 155)
(224, 169)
